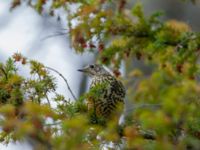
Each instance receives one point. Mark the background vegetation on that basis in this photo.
(165, 113)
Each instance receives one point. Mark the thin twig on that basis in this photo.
(143, 106)
(4, 72)
(64, 80)
(54, 35)
(49, 103)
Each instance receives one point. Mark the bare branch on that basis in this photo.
(49, 103)
(52, 69)
(54, 35)
(4, 72)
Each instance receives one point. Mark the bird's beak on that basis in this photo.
(83, 70)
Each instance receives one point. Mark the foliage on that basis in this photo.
(117, 34)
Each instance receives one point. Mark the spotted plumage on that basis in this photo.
(111, 94)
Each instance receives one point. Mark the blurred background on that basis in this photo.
(24, 30)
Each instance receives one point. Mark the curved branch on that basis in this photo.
(64, 80)
(4, 72)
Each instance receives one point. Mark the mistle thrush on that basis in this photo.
(109, 96)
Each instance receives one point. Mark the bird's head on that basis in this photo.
(94, 70)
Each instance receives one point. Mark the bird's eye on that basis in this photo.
(91, 66)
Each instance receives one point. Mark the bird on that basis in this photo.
(109, 91)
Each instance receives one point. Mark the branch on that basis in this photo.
(143, 106)
(48, 99)
(4, 72)
(54, 35)
(64, 80)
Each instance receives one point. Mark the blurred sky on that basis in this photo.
(24, 30)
